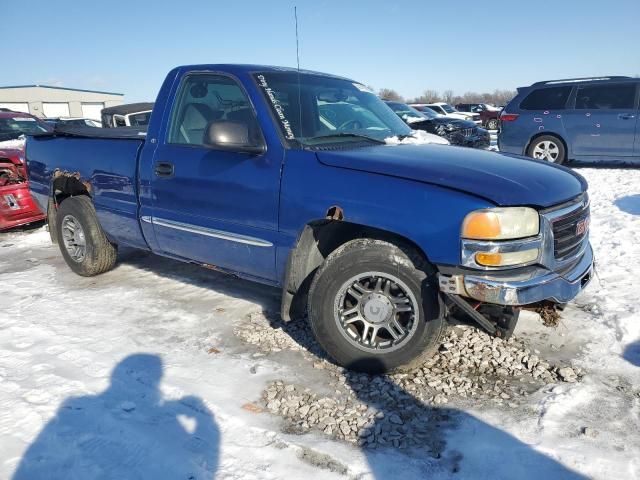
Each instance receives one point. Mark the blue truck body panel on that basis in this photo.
(244, 212)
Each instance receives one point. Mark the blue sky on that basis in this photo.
(128, 46)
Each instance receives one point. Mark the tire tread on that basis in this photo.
(101, 254)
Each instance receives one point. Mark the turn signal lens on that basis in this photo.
(501, 224)
(506, 259)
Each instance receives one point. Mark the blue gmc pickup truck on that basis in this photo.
(309, 182)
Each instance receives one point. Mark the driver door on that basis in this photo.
(212, 206)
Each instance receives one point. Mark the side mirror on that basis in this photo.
(231, 136)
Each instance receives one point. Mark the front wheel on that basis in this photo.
(374, 307)
(547, 147)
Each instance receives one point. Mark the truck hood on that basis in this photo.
(500, 178)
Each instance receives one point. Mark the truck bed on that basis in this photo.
(107, 159)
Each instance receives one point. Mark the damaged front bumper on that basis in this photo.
(479, 139)
(527, 285)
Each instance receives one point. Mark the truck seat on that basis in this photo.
(194, 120)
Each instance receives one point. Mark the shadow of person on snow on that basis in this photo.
(126, 432)
(629, 204)
(452, 441)
(632, 353)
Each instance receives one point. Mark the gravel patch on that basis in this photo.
(403, 410)
(270, 334)
(377, 415)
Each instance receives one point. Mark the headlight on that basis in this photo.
(501, 224)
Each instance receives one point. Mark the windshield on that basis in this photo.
(333, 110)
(430, 112)
(448, 108)
(11, 128)
(404, 111)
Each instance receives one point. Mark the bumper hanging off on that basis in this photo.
(529, 285)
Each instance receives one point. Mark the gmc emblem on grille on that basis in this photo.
(582, 227)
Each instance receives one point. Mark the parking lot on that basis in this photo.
(564, 399)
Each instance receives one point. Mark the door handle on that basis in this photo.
(626, 116)
(164, 169)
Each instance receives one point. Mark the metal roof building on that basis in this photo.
(47, 101)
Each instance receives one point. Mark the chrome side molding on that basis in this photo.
(209, 232)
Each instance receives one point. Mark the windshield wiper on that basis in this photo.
(344, 135)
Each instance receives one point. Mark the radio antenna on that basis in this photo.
(295, 14)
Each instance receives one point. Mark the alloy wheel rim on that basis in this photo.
(376, 312)
(73, 238)
(546, 150)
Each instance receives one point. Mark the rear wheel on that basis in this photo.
(547, 147)
(492, 124)
(374, 307)
(82, 241)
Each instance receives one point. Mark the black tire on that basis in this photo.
(404, 264)
(555, 141)
(99, 254)
(492, 124)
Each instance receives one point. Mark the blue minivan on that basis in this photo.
(574, 119)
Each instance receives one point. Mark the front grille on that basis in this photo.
(468, 132)
(569, 232)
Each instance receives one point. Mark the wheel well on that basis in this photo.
(63, 186)
(67, 185)
(550, 134)
(316, 242)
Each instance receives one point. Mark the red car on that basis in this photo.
(16, 205)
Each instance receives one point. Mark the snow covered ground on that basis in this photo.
(141, 373)
(493, 142)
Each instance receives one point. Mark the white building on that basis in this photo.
(46, 102)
